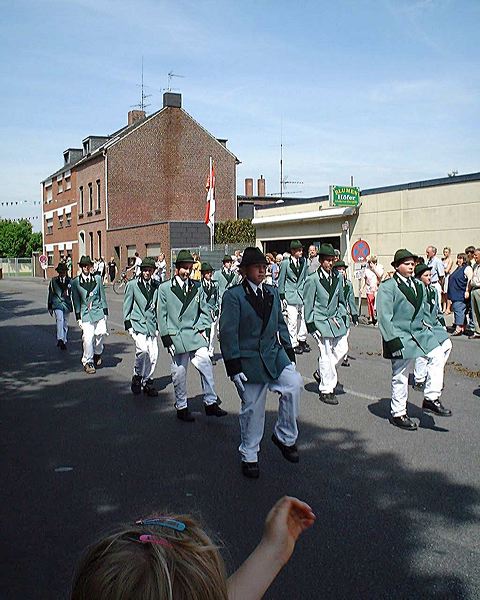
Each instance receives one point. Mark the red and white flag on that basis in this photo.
(210, 188)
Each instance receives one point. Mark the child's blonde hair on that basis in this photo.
(173, 565)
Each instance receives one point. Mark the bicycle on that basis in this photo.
(120, 284)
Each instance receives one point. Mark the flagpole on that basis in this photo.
(212, 225)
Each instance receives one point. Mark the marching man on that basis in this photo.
(259, 357)
(434, 318)
(210, 289)
(324, 311)
(60, 302)
(404, 325)
(291, 281)
(351, 310)
(140, 317)
(225, 278)
(91, 312)
(183, 318)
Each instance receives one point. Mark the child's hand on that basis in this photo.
(284, 523)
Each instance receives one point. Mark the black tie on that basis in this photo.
(259, 294)
(185, 288)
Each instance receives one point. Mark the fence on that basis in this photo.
(214, 257)
(16, 267)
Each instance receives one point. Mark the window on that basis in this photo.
(60, 221)
(153, 250)
(68, 183)
(60, 187)
(99, 243)
(90, 198)
(90, 235)
(49, 223)
(48, 191)
(50, 258)
(68, 218)
(81, 201)
(98, 195)
(131, 255)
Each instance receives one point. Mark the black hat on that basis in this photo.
(206, 267)
(148, 263)
(339, 263)
(253, 256)
(326, 250)
(420, 269)
(296, 245)
(184, 256)
(61, 268)
(402, 255)
(85, 261)
(227, 258)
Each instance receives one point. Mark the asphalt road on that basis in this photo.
(398, 512)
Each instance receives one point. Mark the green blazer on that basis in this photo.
(182, 317)
(401, 318)
(140, 307)
(349, 309)
(325, 305)
(225, 281)
(291, 281)
(253, 336)
(89, 300)
(211, 298)
(59, 295)
(434, 315)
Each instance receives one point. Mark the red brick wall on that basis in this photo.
(92, 221)
(139, 237)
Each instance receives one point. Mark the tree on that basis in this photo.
(17, 239)
(235, 231)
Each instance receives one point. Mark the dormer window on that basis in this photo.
(86, 147)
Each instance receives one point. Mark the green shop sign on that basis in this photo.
(344, 196)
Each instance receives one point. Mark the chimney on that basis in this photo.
(135, 115)
(249, 187)
(172, 100)
(261, 187)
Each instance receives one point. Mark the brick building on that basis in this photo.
(141, 189)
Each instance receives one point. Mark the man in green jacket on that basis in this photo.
(291, 281)
(259, 357)
(60, 303)
(91, 312)
(210, 289)
(183, 318)
(140, 318)
(225, 278)
(324, 311)
(349, 310)
(402, 319)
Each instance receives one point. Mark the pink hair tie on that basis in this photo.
(150, 539)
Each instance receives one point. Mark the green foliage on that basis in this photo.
(17, 239)
(230, 232)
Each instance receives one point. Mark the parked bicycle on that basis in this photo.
(119, 285)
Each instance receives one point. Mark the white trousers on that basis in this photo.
(92, 339)
(201, 361)
(296, 323)
(421, 363)
(433, 385)
(332, 350)
(62, 324)
(211, 341)
(252, 412)
(146, 355)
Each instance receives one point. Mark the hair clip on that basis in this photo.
(150, 539)
(170, 523)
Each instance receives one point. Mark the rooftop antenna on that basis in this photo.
(453, 173)
(171, 75)
(284, 181)
(143, 96)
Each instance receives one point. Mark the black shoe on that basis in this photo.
(61, 344)
(304, 346)
(419, 386)
(213, 361)
(298, 350)
(436, 407)
(89, 368)
(328, 398)
(404, 422)
(213, 410)
(97, 360)
(250, 469)
(149, 389)
(136, 386)
(290, 453)
(185, 415)
(345, 362)
(316, 376)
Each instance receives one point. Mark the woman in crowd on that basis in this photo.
(112, 269)
(458, 293)
(449, 266)
(160, 268)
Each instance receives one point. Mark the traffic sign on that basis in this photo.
(360, 251)
(43, 259)
(44, 265)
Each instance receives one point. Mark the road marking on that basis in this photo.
(349, 392)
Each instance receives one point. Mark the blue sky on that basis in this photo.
(385, 90)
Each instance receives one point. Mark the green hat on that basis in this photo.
(184, 256)
(420, 270)
(339, 263)
(326, 250)
(85, 261)
(402, 255)
(206, 267)
(253, 256)
(148, 263)
(227, 258)
(61, 268)
(296, 245)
